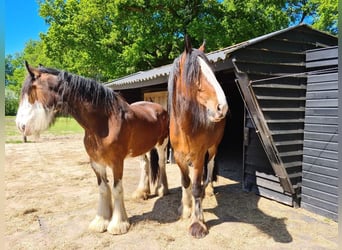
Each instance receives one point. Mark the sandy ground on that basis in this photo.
(51, 197)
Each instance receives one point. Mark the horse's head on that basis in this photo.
(38, 100)
(200, 83)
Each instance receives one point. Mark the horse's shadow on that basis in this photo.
(164, 209)
(233, 205)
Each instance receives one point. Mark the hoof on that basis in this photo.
(118, 228)
(98, 224)
(140, 195)
(198, 230)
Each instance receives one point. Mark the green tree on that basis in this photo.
(13, 80)
(107, 39)
(11, 102)
(322, 14)
(15, 71)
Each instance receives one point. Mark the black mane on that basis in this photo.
(80, 89)
(73, 88)
(179, 103)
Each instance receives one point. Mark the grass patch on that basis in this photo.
(65, 125)
(10, 126)
(62, 126)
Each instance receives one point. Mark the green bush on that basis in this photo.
(11, 102)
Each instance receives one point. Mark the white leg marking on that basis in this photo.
(163, 187)
(143, 189)
(186, 207)
(105, 207)
(119, 223)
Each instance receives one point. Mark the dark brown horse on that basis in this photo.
(113, 129)
(198, 108)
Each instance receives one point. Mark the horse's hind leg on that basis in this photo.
(105, 207)
(163, 187)
(208, 185)
(143, 189)
(119, 223)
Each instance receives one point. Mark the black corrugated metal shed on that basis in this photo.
(270, 72)
(272, 79)
(320, 157)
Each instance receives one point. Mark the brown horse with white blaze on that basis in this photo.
(197, 107)
(113, 129)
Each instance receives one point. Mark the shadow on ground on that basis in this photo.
(233, 205)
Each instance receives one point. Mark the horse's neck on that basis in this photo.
(183, 117)
(192, 119)
(94, 119)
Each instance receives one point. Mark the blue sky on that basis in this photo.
(22, 23)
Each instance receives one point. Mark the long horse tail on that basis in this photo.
(154, 164)
(205, 169)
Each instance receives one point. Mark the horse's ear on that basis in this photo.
(188, 46)
(34, 73)
(202, 48)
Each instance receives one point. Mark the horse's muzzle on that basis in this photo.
(219, 114)
(222, 110)
(21, 127)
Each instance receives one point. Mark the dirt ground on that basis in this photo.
(51, 197)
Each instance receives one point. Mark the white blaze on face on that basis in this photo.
(209, 74)
(33, 118)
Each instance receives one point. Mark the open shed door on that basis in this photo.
(272, 79)
(277, 112)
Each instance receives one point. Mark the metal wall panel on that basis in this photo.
(320, 160)
(272, 78)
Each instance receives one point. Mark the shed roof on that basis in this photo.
(159, 75)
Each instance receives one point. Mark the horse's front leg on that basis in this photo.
(105, 207)
(186, 205)
(119, 223)
(143, 189)
(198, 229)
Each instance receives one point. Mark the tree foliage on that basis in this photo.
(11, 102)
(322, 14)
(15, 71)
(108, 39)
(105, 39)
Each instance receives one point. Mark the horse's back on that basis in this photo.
(151, 119)
(144, 106)
(150, 111)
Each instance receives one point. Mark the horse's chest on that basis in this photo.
(99, 149)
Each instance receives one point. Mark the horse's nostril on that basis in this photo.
(23, 127)
(221, 109)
